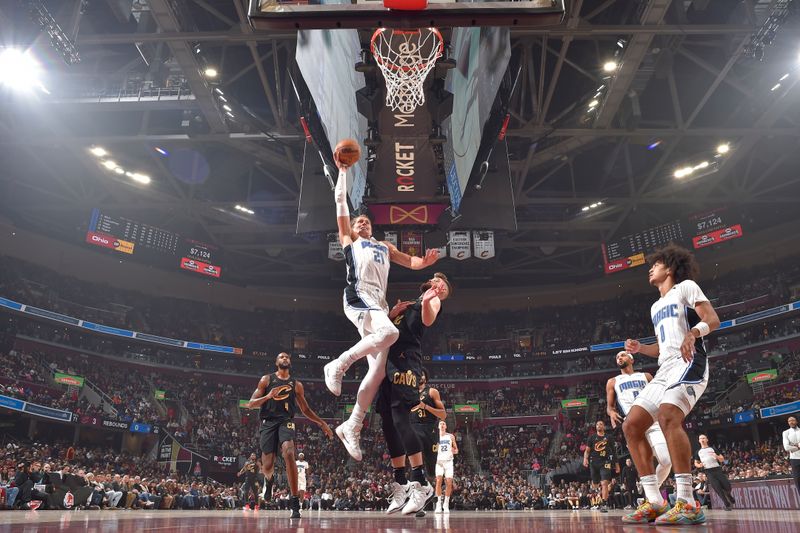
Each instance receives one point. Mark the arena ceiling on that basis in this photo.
(691, 75)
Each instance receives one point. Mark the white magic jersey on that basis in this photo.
(445, 448)
(367, 263)
(673, 316)
(301, 469)
(627, 387)
(708, 457)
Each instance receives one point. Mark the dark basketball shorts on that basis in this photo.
(600, 472)
(429, 436)
(273, 433)
(400, 387)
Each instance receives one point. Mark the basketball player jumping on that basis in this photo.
(444, 467)
(277, 395)
(709, 460)
(621, 391)
(367, 261)
(399, 393)
(681, 317)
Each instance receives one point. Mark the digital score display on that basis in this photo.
(703, 230)
(152, 244)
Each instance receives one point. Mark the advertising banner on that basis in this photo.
(762, 494)
(778, 410)
(718, 236)
(107, 241)
(161, 395)
(406, 214)
(67, 379)
(574, 403)
(201, 267)
(467, 408)
(762, 375)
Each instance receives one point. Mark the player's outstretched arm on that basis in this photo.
(611, 401)
(412, 262)
(634, 346)
(431, 305)
(342, 210)
(309, 413)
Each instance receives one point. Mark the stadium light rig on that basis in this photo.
(244, 209)
(20, 71)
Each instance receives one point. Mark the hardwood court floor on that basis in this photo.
(368, 522)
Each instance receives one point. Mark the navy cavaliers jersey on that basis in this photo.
(282, 406)
(420, 415)
(409, 324)
(601, 449)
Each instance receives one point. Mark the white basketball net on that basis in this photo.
(405, 58)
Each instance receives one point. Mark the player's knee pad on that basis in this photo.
(662, 456)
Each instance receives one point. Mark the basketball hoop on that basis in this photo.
(405, 58)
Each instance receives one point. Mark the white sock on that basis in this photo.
(447, 501)
(683, 482)
(651, 492)
(357, 416)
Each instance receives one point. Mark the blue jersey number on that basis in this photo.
(378, 257)
(662, 332)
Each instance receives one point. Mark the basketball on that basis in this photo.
(348, 152)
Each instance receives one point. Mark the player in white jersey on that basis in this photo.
(365, 305)
(621, 391)
(681, 317)
(711, 463)
(302, 470)
(444, 467)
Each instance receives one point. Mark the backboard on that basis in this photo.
(361, 14)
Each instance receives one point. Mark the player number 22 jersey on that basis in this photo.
(445, 448)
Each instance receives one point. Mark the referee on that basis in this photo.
(709, 461)
(791, 443)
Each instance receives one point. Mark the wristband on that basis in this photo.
(340, 195)
(703, 328)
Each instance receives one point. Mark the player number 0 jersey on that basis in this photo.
(627, 387)
(673, 316)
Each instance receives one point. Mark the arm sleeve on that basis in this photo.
(690, 293)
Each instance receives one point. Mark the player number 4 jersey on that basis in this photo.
(673, 316)
(445, 448)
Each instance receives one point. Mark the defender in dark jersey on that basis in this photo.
(425, 418)
(277, 395)
(599, 458)
(400, 392)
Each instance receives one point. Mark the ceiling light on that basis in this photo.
(593, 103)
(161, 151)
(218, 91)
(723, 148)
(109, 164)
(98, 151)
(222, 98)
(593, 206)
(685, 171)
(784, 77)
(229, 114)
(775, 87)
(210, 72)
(227, 107)
(119, 170)
(609, 66)
(141, 178)
(585, 208)
(703, 164)
(653, 145)
(19, 70)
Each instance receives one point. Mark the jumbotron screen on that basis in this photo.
(152, 244)
(702, 230)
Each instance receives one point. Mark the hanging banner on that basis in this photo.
(161, 395)
(460, 245)
(391, 236)
(412, 243)
(335, 252)
(467, 408)
(484, 244)
(68, 379)
(762, 375)
(405, 214)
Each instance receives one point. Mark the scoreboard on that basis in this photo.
(152, 244)
(702, 230)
